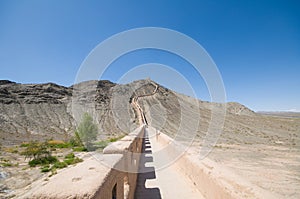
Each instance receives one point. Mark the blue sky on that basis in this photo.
(255, 44)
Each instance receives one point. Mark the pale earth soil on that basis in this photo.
(273, 166)
(19, 178)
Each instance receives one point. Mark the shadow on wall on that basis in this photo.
(147, 173)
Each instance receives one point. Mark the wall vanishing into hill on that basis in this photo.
(44, 111)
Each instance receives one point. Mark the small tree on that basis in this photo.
(87, 130)
(75, 140)
(37, 150)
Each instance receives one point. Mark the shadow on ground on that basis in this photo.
(146, 173)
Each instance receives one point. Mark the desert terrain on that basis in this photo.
(262, 149)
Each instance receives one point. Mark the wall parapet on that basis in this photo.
(111, 175)
(127, 143)
(210, 178)
(130, 147)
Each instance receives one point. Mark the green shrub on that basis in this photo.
(113, 139)
(43, 161)
(45, 169)
(15, 151)
(80, 149)
(70, 155)
(51, 159)
(75, 141)
(77, 160)
(4, 160)
(25, 144)
(73, 161)
(36, 150)
(60, 165)
(11, 150)
(34, 162)
(87, 130)
(68, 161)
(102, 144)
(58, 144)
(7, 164)
(53, 171)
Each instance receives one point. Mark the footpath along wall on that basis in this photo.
(112, 174)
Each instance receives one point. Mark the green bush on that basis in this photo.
(6, 164)
(59, 144)
(77, 160)
(15, 151)
(72, 161)
(113, 139)
(37, 150)
(60, 165)
(45, 169)
(25, 144)
(34, 162)
(70, 155)
(87, 130)
(102, 144)
(68, 161)
(53, 171)
(80, 149)
(75, 141)
(40, 155)
(43, 161)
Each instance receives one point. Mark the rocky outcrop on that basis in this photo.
(11, 92)
(43, 111)
(238, 109)
(33, 111)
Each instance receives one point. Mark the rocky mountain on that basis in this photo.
(44, 111)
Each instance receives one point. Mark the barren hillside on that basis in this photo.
(39, 111)
(250, 143)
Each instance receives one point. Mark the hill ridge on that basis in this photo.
(40, 111)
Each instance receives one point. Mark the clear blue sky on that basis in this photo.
(255, 44)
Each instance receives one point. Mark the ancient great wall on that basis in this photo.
(114, 174)
(142, 165)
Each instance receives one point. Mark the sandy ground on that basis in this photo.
(272, 168)
(263, 150)
(19, 178)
